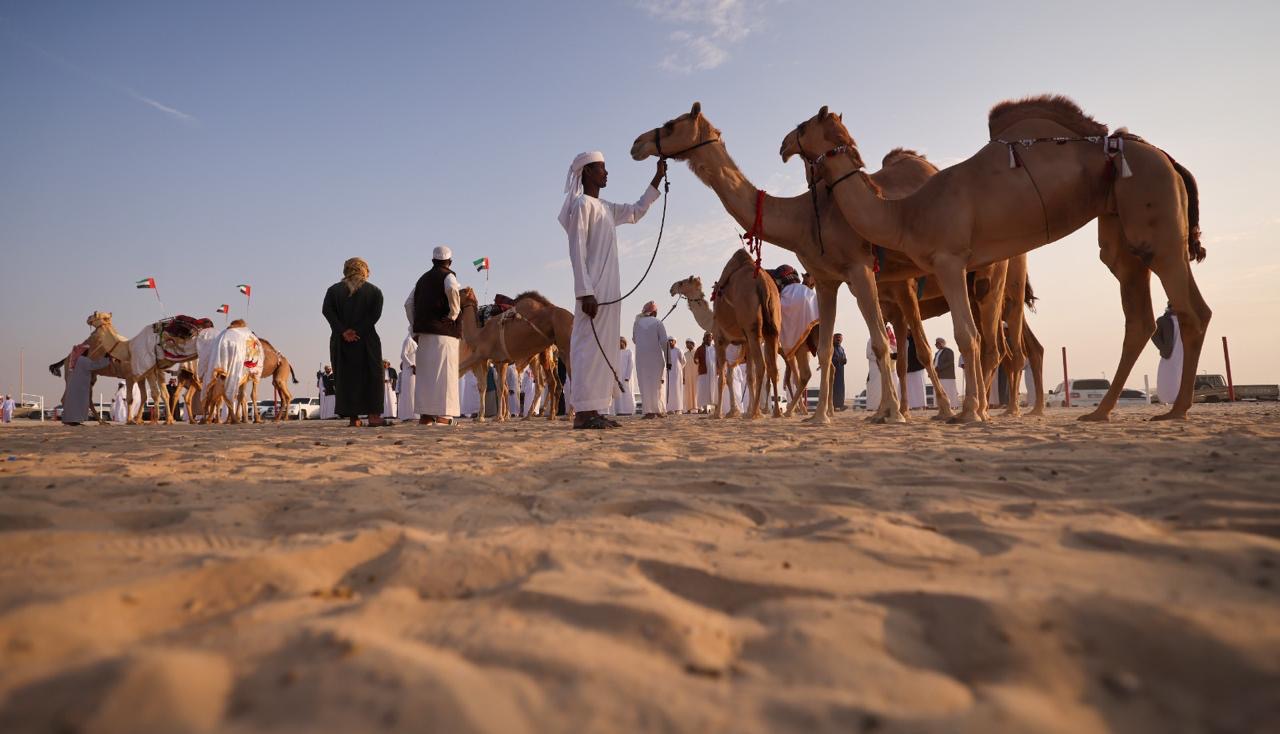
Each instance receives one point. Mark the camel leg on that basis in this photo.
(900, 327)
(864, 290)
(990, 309)
(925, 355)
(771, 369)
(951, 278)
(1193, 313)
(755, 378)
(1014, 316)
(1035, 353)
(481, 371)
(827, 292)
(1135, 298)
(726, 379)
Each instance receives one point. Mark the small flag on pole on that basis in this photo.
(224, 308)
(244, 289)
(481, 264)
(146, 283)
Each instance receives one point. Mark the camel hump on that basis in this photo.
(1055, 107)
(900, 153)
(534, 297)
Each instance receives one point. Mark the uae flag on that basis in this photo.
(481, 264)
(244, 289)
(146, 283)
(224, 308)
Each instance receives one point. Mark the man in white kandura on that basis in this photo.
(690, 377)
(591, 224)
(624, 402)
(407, 384)
(675, 378)
(469, 402)
(433, 310)
(527, 389)
(652, 360)
(513, 391)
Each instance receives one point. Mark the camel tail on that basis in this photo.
(1195, 250)
(1029, 297)
(292, 376)
(770, 304)
(55, 369)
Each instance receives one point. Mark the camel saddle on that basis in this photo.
(501, 304)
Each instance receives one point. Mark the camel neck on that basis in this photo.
(787, 222)
(702, 313)
(872, 216)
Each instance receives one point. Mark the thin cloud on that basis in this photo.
(133, 94)
(709, 28)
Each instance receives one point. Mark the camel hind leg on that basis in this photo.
(1193, 322)
(1035, 354)
(865, 292)
(1135, 298)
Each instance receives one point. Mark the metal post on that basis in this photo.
(1231, 386)
(1066, 381)
(21, 388)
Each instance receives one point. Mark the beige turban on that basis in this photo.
(354, 273)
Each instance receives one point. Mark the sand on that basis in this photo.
(1036, 575)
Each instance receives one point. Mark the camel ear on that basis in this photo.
(696, 109)
(840, 117)
(822, 113)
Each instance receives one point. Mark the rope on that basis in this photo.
(662, 226)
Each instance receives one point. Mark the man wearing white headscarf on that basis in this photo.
(591, 223)
(652, 360)
(624, 402)
(675, 378)
(433, 308)
(407, 384)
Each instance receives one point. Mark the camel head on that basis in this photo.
(467, 297)
(677, 137)
(99, 318)
(818, 136)
(690, 288)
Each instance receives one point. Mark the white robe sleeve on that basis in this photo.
(662, 346)
(631, 213)
(451, 290)
(578, 230)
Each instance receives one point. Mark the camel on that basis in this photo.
(747, 312)
(276, 366)
(1048, 170)
(528, 329)
(145, 357)
(542, 366)
(824, 243)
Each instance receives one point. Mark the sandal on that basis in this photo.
(596, 422)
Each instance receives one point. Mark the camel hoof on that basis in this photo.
(1097, 416)
(1038, 412)
(943, 417)
(1170, 416)
(964, 418)
(733, 413)
(817, 419)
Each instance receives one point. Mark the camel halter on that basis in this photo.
(811, 177)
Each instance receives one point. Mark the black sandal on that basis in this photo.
(595, 422)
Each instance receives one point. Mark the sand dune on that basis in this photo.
(1039, 575)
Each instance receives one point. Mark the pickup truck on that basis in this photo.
(1213, 389)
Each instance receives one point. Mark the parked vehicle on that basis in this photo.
(1132, 396)
(1084, 393)
(1213, 389)
(304, 408)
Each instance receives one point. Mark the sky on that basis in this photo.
(212, 144)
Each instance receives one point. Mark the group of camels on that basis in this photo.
(179, 342)
(966, 230)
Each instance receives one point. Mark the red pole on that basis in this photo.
(1066, 382)
(1231, 386)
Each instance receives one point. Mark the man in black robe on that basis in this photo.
(352, 307)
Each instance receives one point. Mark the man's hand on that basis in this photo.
(350, 336)
(590, 307)
(661, 171)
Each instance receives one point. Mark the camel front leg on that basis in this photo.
(864, 290)
(990, 309)
(1015, 318)
(771, 371)
(1135, 299)
(1035, 354)
(904, 403)
(951, 278)
(925, 355)
(827, 291)
(481, 371)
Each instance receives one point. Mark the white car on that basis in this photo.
(304, 408)
(1084, 393)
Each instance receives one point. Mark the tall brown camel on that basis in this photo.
(746, 310)
(105, 340)
(1048, 170)
(530, 327)
(827, 246)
